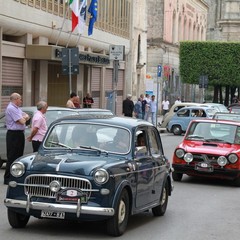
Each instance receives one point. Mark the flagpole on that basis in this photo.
(78, 39)
(64, 19)
(69, 39)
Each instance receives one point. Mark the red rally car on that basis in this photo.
(210, 148)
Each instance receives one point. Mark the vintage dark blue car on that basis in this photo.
(89, 168)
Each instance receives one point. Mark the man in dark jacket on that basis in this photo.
(128, 106)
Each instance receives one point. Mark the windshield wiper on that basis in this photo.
(195, 136)
(60, 144)
(216, 140)
(94, 148)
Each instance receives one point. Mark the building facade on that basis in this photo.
(33, 34)
(224, 20)
(169, 23)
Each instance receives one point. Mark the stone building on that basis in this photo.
(224, 20)
(33, 34)
(169, 23)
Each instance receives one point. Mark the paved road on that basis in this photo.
(198, 209)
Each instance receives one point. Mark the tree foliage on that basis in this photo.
(218, 60)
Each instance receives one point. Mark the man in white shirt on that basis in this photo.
(178, 100)
(165, 106)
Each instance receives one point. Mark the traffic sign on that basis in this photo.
(116, 52)
(70, 61)
(159, 71)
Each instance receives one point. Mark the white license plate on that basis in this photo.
(51, 214)
(204, 165)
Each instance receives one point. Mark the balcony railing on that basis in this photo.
(113, 16)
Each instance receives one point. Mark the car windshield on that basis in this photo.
(90, 137)
(214, 132)
(52, 115)
(230, 116)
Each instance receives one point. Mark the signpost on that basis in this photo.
(159, 75)
(203, 83)
(116, 53)
(70, 63)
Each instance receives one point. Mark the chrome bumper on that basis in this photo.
(78, 208)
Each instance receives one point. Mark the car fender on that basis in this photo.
(179, 122)
(121, 186)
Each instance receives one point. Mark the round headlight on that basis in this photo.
(232, 158)
(180, 153)
(101, 176)
(188, 157)
(222, 161)
(17, 169)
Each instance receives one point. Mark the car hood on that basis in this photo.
(71, 163)
(209, 147)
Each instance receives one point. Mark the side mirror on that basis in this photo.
(140, 151)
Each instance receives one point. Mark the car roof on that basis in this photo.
(105, 119)
(34, 108)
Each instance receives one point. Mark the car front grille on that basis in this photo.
(38, 185)
(211, 159)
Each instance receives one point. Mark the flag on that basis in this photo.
(93, 10)
(74, 5)
(82, 16)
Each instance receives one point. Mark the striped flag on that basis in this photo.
(74, 5)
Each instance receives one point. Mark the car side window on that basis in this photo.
(141, 143)
(183, 113)
(155, 147)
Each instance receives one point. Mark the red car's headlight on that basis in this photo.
(180, 153)
(232, 158)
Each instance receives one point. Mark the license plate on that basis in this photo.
(51, 214)
(203, 167)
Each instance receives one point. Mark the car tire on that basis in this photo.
(177, 176)
(17, 220)
(117, 225)
(176, 130)
(236, 182)
(162, 207)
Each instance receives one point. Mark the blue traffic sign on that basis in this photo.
(159, 71)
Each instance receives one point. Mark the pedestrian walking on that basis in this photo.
(146, 102)
(165, 106)
(138, 108)
(128, 106)
(153, 108)
(39, 126)
(178, 100)
(15, 140)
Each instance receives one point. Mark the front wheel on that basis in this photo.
(17, 220)
(117, 225)
(162, 207)
(177, 176)
(176, 130)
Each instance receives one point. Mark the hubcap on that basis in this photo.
(121, 212)
(163, 196)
